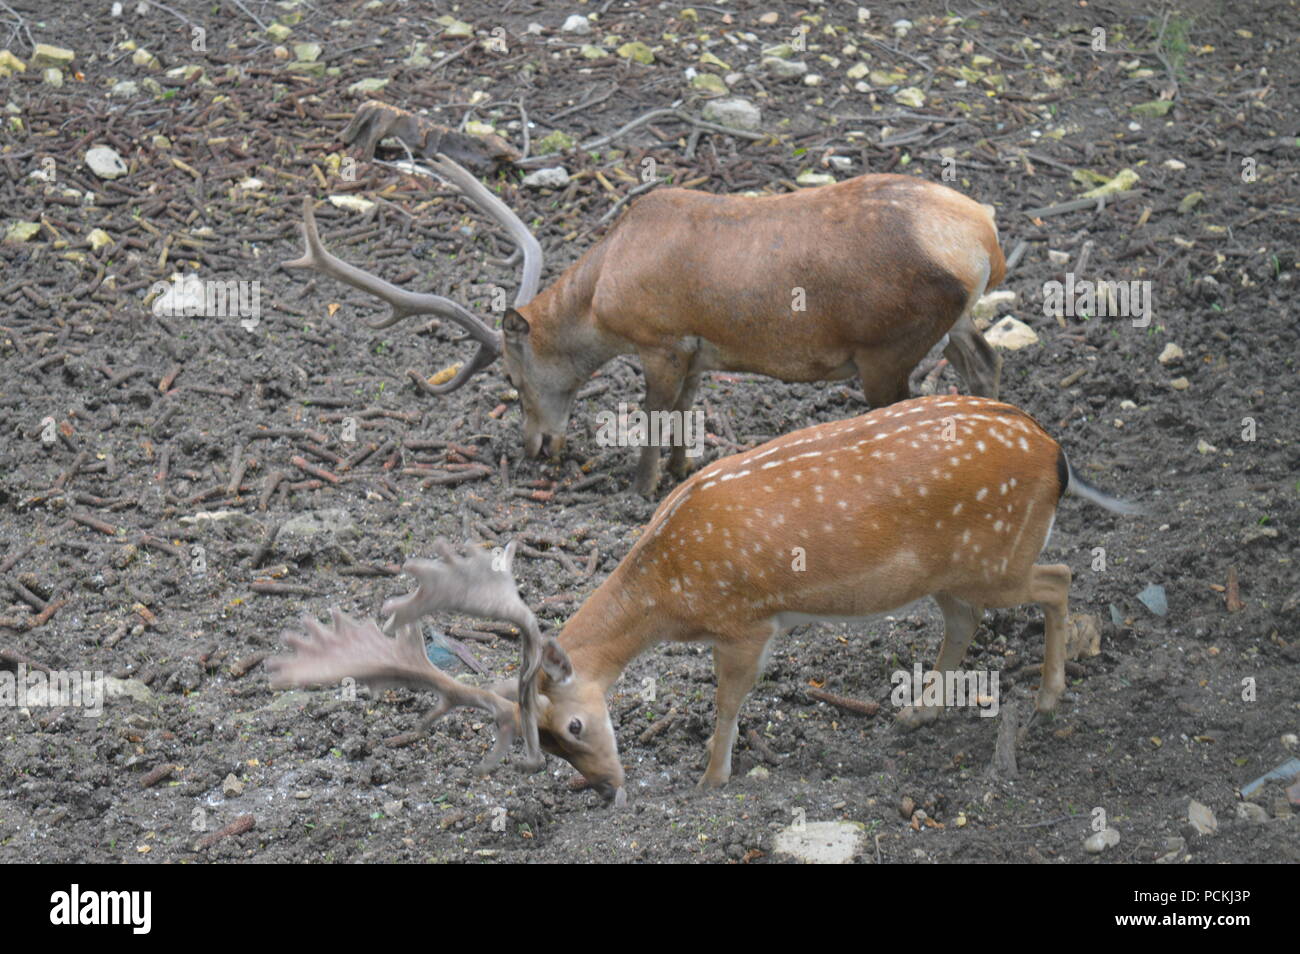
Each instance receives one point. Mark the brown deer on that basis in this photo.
(862, 277)
(949, 497)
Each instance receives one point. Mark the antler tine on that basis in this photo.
(350, 649)
(403, 303)
(494, 208)
(480, 584)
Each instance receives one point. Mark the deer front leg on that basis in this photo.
(736, 666)
(960, 620)
(679, 464)
(665, 372)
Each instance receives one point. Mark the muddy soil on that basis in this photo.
(162, 517)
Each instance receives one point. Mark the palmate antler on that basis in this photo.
(406, 304)
(480, 584)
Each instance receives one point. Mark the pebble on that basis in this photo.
(1099, 841)
(1202, 818)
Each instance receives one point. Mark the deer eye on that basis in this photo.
(575, 727)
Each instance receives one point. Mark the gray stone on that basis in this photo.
(105, 163)
(552, 177)
(821, 843)
(736, 112)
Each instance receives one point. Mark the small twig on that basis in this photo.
(631, 194)
(844, 702)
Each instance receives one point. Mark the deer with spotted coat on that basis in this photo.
(949, 497)
(862, 278)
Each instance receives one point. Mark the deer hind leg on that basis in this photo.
(882, 389)
(978, 363)
(736, 665)
(1048, 585)
(665, 372)
(679, 465)
(960, 620)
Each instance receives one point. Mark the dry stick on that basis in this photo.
(459, 477)
(15, 657)
(43, 617)
(282, 589)
(1232, 598)
(243, 666)
(265, 547)
(14, 556)
(657, 728)
(156, 775)
(1081, 266)
(1004, 753)
(309, 468)
(26, 595)
(268, 488)
(1074, 205)
(844, 702)
(631, 194)
(86, 520)
(71, 472)
(237, 827)
(1073, 377)
(1016, 255)
(237, 467)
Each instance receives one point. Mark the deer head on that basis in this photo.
(548, 706)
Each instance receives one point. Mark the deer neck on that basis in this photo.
(613, 627)
(562, 319)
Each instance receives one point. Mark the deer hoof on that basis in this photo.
(1048, 698)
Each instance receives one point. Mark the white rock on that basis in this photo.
(125, 89)
(1170, 354)
(552, 177)
(784, 69)
(1099, 841)
(578, 24)
(841, 163)
(902, 28)
(251, 184)
(994, 303)
(1011, 334)
(1174, 164)
(810, 178)
(1056, 257)
(353, 203)
(821, 843)
(1202, 818)
(105, 163)
(736, 112)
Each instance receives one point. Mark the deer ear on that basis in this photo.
(515, 324)
(555, 661)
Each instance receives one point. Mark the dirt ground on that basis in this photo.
(156, 524)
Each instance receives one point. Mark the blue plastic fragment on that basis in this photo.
(1116, 616)
(1153, 598)
(1284, 772)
